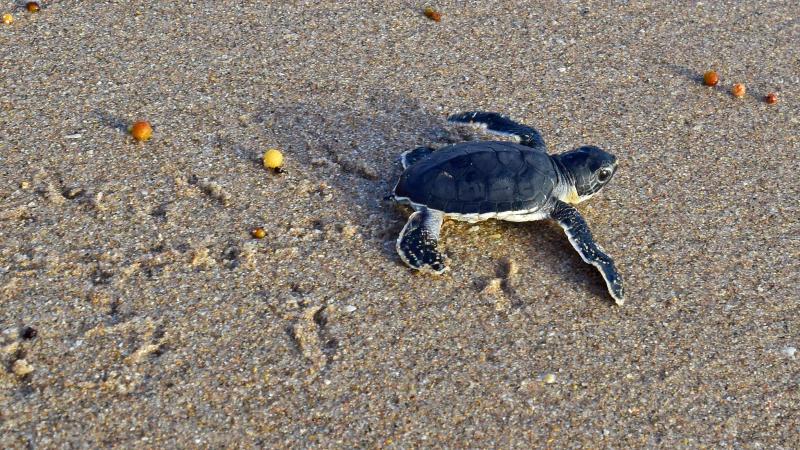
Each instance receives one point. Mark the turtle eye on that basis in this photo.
(603, 174)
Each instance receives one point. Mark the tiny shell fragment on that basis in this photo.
(21, 368)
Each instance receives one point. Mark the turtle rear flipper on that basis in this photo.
(581, 239)
(408, 158)
(502, 125)
(419, 241)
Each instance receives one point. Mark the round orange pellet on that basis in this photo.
(738, 90)
(710, 78)
(771, 98)
(32, 7)
(273, 159)
(142, 131)
(432, 14)
(8, 19)
(258, 233)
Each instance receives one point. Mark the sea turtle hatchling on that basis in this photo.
(518, 182)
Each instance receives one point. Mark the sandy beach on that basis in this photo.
(137, 310)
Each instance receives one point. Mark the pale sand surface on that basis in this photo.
(161, 323)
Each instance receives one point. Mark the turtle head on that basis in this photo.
(588, 169)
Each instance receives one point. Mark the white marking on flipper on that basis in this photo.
(485, 128)
(571, 221)
(404, 161)
(429, 228)
(525, 135)
(576, 245)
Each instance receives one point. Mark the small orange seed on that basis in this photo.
(771, 98)
(432, 14)
(32, 7)
(258, 233)
(273, 159)
(738, 90)
(710, 78)
(141, 130)
(8, 19)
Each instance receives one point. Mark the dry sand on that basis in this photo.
(161, 323)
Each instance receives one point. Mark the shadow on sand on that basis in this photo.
(356, 151)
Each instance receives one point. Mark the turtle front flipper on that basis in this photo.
(581, 238)
(418, 242)
(499, 124)
(407, 159)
